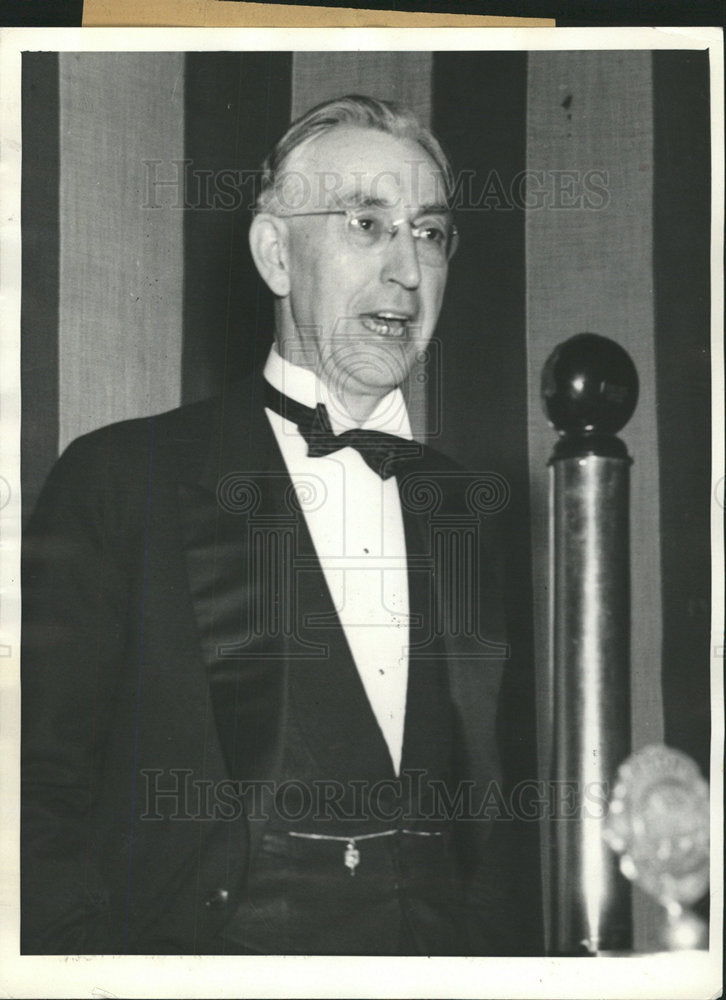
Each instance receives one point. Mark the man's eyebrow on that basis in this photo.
(434, 209)
(356, 199)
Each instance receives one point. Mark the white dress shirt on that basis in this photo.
(355, 521)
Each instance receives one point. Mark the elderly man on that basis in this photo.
(263, 639)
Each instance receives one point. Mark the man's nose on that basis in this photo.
(401, 263)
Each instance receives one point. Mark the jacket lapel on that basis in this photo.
(455, 601)
(330, 705)
(245, 656)
(270, 636)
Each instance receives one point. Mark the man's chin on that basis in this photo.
(369, 368)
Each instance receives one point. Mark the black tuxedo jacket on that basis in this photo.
(162, 550)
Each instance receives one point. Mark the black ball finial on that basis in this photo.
(589, 392)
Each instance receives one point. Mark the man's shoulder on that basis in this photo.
(442, 466)
(173, 440)
(448, 487)
(158, 430)
(126, 462)
(117, 462)
(438, 461)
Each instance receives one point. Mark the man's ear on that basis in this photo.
(269, 246)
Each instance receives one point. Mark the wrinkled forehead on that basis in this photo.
(350, 166)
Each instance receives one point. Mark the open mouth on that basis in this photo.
(385, 324)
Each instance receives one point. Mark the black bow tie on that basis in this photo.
(384, 453)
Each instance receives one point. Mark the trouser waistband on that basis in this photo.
(300, 896)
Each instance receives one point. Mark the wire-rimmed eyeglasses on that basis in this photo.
(372, 228)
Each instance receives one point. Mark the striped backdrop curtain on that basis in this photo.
(583, 189)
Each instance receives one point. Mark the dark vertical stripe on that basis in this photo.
(236, 106)
(479, 114)
(40, 250)
(682, 290)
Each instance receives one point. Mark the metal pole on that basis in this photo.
(589, 391)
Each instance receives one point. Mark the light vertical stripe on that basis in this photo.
(590, 268)
(121, 261)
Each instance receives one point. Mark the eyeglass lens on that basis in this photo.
(373, 229)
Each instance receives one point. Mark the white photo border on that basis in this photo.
(663, 975)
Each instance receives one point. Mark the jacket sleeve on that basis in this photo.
(72, 636)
